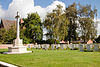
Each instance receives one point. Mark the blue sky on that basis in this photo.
(45, 3)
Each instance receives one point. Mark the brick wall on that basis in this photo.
(5, 46)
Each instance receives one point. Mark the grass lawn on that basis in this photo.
(53, 58)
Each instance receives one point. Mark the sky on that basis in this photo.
(8, 8)
(45, 3)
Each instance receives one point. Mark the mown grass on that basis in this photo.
(53, 58)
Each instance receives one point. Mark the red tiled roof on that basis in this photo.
(8, 23)
(90, 42)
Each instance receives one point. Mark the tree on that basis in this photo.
(2, 35)
(7, 36)
(23, 37)
(57, 24)
(11, 35)
(33, 27)
(98, 39)
(71, 14)
(87, 25)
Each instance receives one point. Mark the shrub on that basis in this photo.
(41, 41)
(75, 48)
(26, 40)
(52, 41)
(85, 50)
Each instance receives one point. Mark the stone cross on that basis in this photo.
(18, 46)
(18, 19)
(18, 41)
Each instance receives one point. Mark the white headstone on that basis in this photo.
(57, 46)
(43, 46)
(33, 46)
(39, 46)
(61, 45)
(65, 46)
(36, 46)
(81, 47)
(88, 47)
(76, 45)
(48, 46)
(72, 46)
(96, 47)
(52, 46)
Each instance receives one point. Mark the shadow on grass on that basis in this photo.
(1, 52)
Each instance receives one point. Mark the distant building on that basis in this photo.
(62, 41)
(7, 24)
(90, 42)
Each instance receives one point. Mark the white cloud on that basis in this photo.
(27, 6)
(43, 11)
(98, 27)
(53, 6)
(23, 6)
(1, 12)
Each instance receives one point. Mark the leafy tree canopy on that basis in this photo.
(33, 27)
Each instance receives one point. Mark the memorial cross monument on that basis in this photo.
(18, 46)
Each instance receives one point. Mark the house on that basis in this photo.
(7, 24)
(90, 42)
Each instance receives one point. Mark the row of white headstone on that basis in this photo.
(89, 47)
(81, 47)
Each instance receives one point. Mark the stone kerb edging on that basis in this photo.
(3, 64)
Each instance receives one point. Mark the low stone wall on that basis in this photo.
(5, 46)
